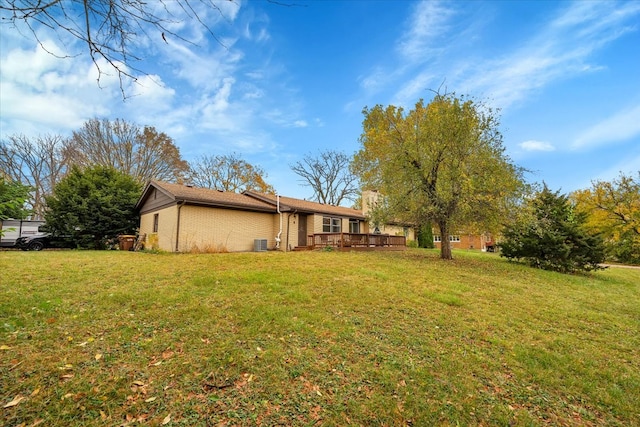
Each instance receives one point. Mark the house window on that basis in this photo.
(155, 222)
(437, 238)
(331, 225)
(354, 226)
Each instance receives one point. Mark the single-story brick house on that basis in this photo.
(182, 218)
(482, 241)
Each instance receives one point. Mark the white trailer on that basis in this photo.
(14, 228)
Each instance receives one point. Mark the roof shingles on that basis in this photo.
(248, 200)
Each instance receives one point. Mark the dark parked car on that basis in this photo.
(39, 242)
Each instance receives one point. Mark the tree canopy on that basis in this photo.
(440, 163)
(229, 173)
(38, 162)
(613, 210)
(93, 205)
(142, 153)
(13, 197)
(549, 234)
(329, 176)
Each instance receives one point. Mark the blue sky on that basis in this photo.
(292, 80)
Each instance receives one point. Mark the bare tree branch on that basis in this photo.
(329, 176)
(110, 28)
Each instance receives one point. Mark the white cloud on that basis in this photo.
(533, 145)
(623, 126)
(428, 25)
(558, 51)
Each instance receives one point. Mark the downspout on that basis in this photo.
(178, 224)
(279, 213)
(289, 226)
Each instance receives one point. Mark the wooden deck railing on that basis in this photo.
(356, 241)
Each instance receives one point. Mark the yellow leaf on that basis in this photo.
(98, 356)
(14, 402)
(34, 392)
(4, 347)
(139, 383)
(166, 420)
(151, 399)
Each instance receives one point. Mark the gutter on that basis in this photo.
(178, 224)
(280, 232)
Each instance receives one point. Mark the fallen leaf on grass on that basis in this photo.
(98, 356)
(151, 399)
(166, 420)
(4, 347)
(34, 392)
(14, 402)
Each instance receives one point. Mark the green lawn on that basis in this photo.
(313, 338)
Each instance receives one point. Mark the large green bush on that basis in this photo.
(549, 234)
(93, 205)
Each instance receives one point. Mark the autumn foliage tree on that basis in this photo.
(613, 210)
(142, 153)
(441, 163)
(228, 172)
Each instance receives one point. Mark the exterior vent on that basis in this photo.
(260, 245)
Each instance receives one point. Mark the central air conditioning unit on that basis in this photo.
(260, 245)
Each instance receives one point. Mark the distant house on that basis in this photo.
(459, 240)
(370, 198)
(181, 218)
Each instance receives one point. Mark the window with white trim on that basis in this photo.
(354, 226)
(453, 238)
(331, 225)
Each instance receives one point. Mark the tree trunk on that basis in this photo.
(445, 243)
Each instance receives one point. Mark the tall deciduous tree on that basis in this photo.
(229, 173)
(143, 154)
(93, 205)
(111, 29)
(440, 163)
(613, 209)
(329, 176)
(39, 162)
(551, 235)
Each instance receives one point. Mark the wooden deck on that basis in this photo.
(356, 241)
